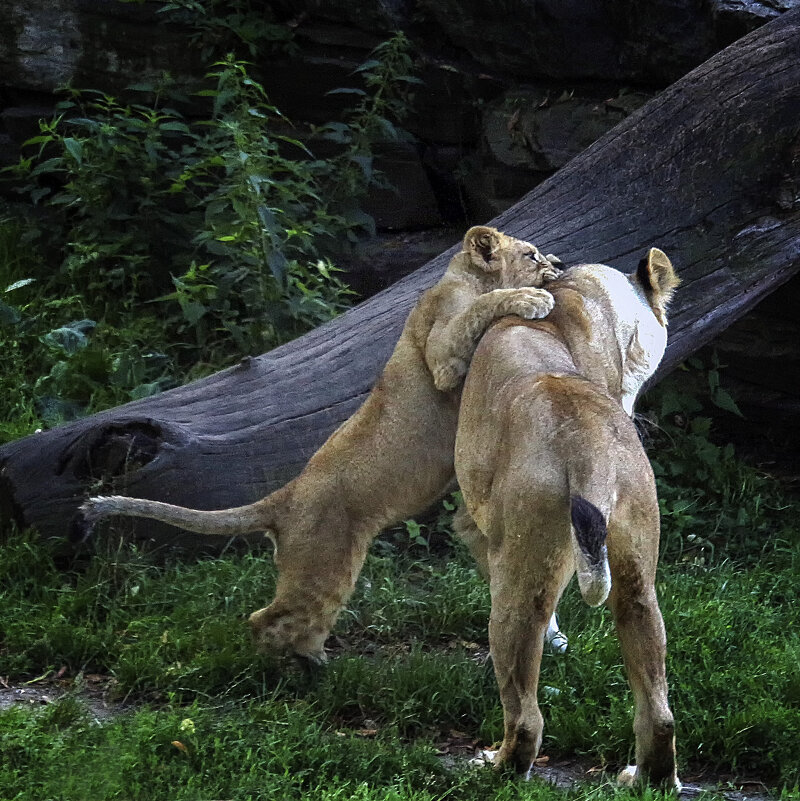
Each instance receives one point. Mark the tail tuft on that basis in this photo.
(589, 528)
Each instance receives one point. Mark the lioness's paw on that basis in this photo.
(630, 777)
(554, 637)
(484, 757)
(447, 376)
(530, 304)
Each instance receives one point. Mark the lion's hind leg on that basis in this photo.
(640, 629)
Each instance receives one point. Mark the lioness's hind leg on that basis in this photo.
(642, 638)
(524, 597)
(466, 529)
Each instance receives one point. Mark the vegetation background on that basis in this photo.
(147, 248)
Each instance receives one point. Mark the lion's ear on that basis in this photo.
(657, 276)
(481, 242)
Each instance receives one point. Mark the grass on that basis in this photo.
(211, 720)
(207, 718)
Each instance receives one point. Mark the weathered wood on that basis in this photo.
(709, 171)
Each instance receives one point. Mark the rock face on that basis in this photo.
(576, 61)
(105, 44)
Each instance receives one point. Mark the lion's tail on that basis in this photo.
(591, 555)
(256, 516)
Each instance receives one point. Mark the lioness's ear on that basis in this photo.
(481, 242)
(657, 276)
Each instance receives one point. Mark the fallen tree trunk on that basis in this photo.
(709, 171)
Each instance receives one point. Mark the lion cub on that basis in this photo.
(556, 481)
(390, 460)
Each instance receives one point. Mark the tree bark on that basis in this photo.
(709, 171)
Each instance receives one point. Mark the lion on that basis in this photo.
(391, 460)
(555, 480)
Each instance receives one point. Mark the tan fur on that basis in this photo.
(542, 422)
(390, 460)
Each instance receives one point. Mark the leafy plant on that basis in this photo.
(167, 247)
(223, 25)
(387, 99)
(56, 361)
(433, 528)
(713, 505)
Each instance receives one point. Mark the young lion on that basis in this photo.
(555, 479)
(390, 460)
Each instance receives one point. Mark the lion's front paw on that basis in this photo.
(551, 273)
(282, 631)
(530, 304)
(447, 376)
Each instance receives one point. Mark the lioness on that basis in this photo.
(390, 460)
(555, 479)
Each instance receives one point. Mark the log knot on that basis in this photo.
(113, 450)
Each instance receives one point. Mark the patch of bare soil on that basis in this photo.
(97, 692)
(458, 750)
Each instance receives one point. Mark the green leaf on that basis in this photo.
(39, 193)
(336, 132)
(346, 91)
(277, 264)
(182, 127)
(145, 390)
(49, 165)
(389, 130)
(368, 65)
(70, 338)
(19, 284)
(75, 148)
(61, 199)
(192, 311)
(37, 140)
(268, 219)
(296, 143)
(722, 398)
(365, 164)
(54, 411)
(8, 314)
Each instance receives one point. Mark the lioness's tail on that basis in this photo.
(589, 541)
(227, 522)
